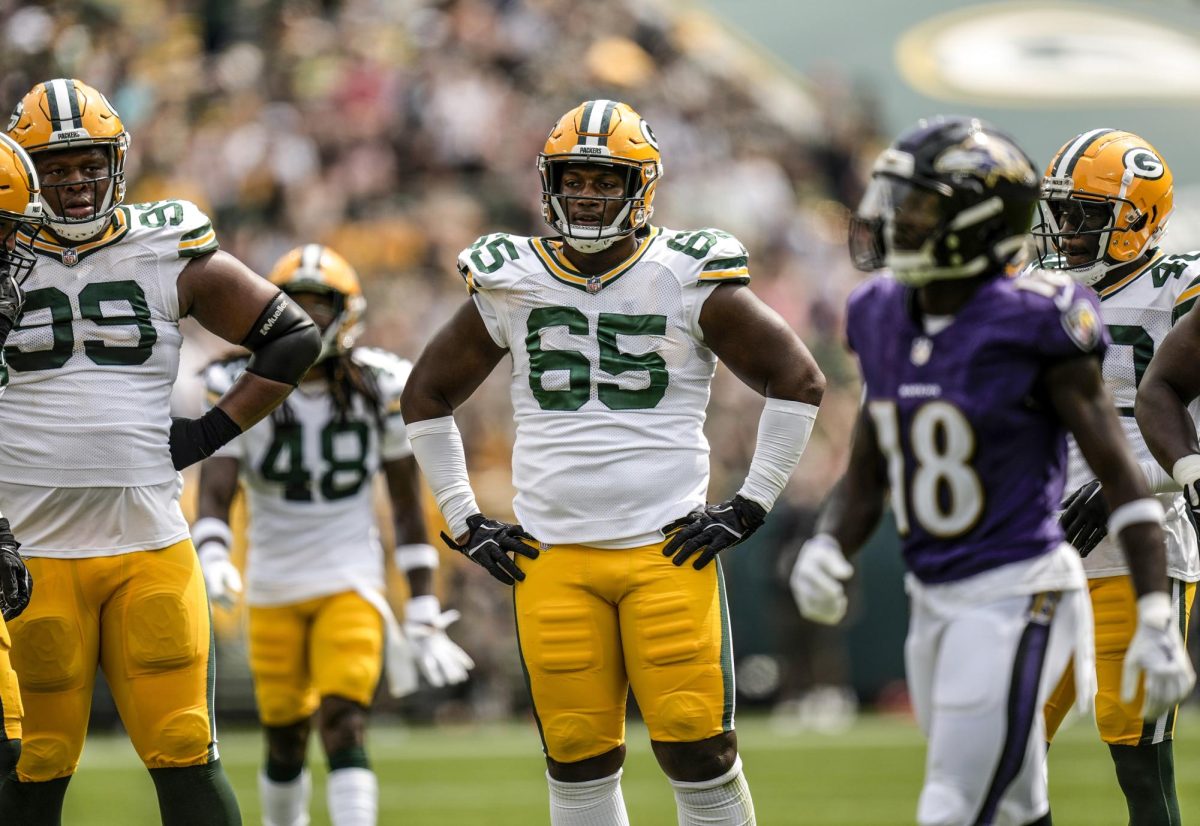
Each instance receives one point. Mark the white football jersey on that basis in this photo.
(91, 363)
(1138, 312)
(610, 379)
(308, 480)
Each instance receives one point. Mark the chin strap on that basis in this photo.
(598, 245)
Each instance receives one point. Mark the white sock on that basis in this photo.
(353, 797)
(590, 803)
(285, 804)
(722, 801)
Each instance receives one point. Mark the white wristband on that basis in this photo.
(1133, 513)
(438, 446)
(424, 609)
(1159, 480)
(409, 557)
(783, 431)
(210, 529)
(1186, 470)
(1154, 610)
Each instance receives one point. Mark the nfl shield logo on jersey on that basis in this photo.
(70, 257)
(593, 286)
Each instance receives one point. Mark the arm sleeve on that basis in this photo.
(218, 378)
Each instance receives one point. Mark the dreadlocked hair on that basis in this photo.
(347, 379)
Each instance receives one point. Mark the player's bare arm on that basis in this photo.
(439, 658)
(408, 521)
(1168, 386)
(230, 300)
(211, 533)
(766, 354)
(847, 519)
(759, 347)
(1078, 394)
(455, 362)
(458, 359)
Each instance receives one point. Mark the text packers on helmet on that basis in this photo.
(608, 133)
(1108, 191)
(20, 209)
(68, 114)
(314, 268)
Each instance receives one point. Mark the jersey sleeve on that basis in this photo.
(489, 268)
(1069, 319)
(218, 378)
(176, 232)
(1185, 300)
(706, 259)
(391, 374)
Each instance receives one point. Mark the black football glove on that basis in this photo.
(489, 543)
(16, 585)
(713, 528)
(1084, 519)
(12, 299)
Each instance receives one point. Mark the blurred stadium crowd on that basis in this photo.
(398, 131)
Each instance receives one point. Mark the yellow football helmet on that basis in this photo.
(315, 268)
(20, 209)
(68, 114)
(1107, 194)
(607, 133)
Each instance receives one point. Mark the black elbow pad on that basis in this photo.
(284, 340)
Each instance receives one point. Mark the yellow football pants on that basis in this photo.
(322, 647)
(592, 623)
(1114, 609)
(10, 697)
(143, 618)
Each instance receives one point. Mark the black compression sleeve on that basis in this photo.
(284, 341)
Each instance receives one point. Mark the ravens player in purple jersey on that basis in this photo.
(972, 380)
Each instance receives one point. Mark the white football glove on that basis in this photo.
(438, 657)
(221, 576)
(817, 579)
(1157, 651)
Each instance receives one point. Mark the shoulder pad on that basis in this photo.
(494, 261)
(179, 228)
(389, 370)
(707, 256)
(1066, 307)
(220, 375)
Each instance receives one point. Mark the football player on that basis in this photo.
(90, 458)
(1106, 199)
(21, 217)
(314, 564)
(614, 327)
(972, 380)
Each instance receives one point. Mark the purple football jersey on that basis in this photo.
(976, 454)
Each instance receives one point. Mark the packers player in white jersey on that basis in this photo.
(90, 458)
(614, 327)
(314, 563)
(21, 215)
(1106, 198)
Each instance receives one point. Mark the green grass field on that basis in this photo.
(868, 776)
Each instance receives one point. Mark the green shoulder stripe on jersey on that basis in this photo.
(197, 242)
(1185, 301)
(739, 262)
